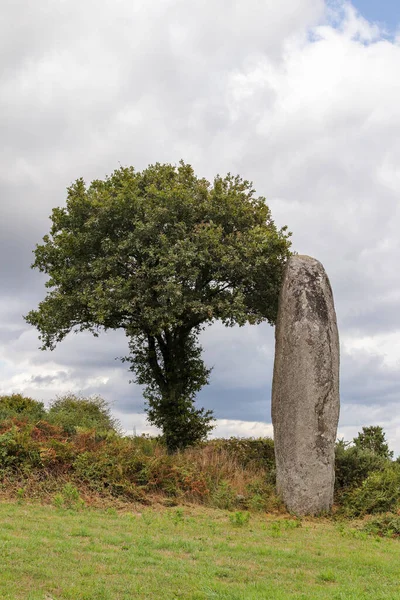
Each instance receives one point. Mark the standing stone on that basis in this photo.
(305, 389)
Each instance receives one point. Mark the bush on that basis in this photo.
(69, 498)
(112, 461)
(257, 452)
(18, 449)
(58, 453)
(386, 525)
(261, 495)
(121, 466)
(223, 496)
(380, 492)
(17, 405)
(239, 518)
(354, 464)
(72, 412)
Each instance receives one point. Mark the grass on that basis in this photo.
(187, 553)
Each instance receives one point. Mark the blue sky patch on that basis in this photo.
(383, 12)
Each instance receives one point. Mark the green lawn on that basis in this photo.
(187, 553)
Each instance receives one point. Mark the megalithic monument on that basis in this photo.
(305, 388)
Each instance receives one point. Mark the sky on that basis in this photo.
(384, 12)
(300, 96)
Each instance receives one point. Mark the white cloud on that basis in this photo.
(226, 428)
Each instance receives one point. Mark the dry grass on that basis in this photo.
(221, 465)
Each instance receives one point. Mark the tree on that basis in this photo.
(71, 411)
(161, 254)
(373, 439)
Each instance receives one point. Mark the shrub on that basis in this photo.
(72, 413)
(258, 452)
(121, 466)
(386, 525)
(354, 464)
(261, 495)
(110, 461)
(17, 405)
(239, 518)
(380, 492)
(17, 449)
(223, 496)
(58, 453)
(69, 498)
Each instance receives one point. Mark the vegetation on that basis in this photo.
(373, 439)
(367, 480)
(72, 412)
(353, 465)
(189, 554)
(16, 405)
(77, 443)
(387, 525)
(36, 460)
(161, 254)
(378, 493)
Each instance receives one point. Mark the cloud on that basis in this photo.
(302, 98)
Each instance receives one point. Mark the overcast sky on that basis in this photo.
(300, 96)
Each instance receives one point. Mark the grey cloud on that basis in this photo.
(46, 380)
(9, 334)
(80, 351)
(366, 379)
(379, 317)
(244, 404)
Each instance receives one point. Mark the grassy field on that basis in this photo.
(48, 553)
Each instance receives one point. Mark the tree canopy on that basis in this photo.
(373, 438)
(161, 254)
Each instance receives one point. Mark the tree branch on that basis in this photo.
(153, 362)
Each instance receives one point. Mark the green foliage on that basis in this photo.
(161, 254)
(261, 495)
(17, 405)
(72, 412)
(239, 518)
(182, 424)
(354, 464)
(379, 492)
(387, 525)
(373, 439)
(58, 452)
(114, 462)
(120, 466)
(257, 502)
(18, 449)
(367, 481)
(223, 496)
(69, 498)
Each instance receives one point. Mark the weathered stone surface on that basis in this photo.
(305, 389)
